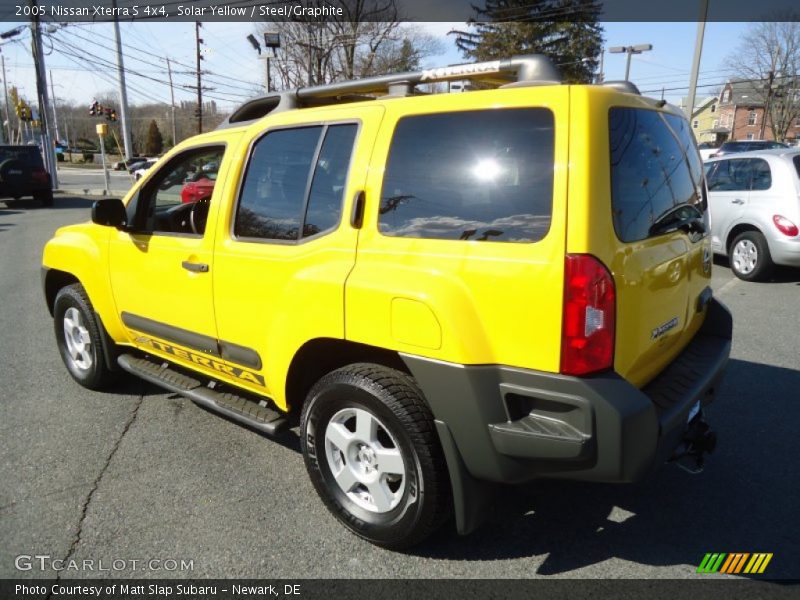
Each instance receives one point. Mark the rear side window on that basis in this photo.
(655, 171)
(294, 183)
(796, 161)
(477, 175)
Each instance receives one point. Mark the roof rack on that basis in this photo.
(530, 69)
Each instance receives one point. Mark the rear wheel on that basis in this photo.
(79, 338)
(373, 455)
(749, 256)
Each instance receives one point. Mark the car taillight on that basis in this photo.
(39, 175)
(587, 335)
(785, 226)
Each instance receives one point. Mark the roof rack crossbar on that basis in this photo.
(531, 67)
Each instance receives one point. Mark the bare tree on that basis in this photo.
(367, 39)
(769, 57)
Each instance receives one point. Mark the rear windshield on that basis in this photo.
(28, 155)
(483, 176)
(655, 170)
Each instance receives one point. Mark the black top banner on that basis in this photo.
(377, 10)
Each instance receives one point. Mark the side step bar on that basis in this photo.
(236, 407)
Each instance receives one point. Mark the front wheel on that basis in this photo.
(373, 455)
(79, 339)
(749, 256)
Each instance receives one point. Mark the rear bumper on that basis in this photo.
(785, 251)
(21, 191)
(512, 425)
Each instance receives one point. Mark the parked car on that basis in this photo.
(22, 173)
(136, 163)
(198, 186)
(143, 168)
(754, 205)
(707, 149)
(746, 146)
(436, 286)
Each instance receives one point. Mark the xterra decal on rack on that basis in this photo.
(204, 361)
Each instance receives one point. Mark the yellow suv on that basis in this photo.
(448, 290)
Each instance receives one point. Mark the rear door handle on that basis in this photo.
(195, 267)
(737, 201)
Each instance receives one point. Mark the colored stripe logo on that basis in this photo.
(735, 563)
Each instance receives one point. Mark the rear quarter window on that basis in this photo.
(655, 169)
(482, 175)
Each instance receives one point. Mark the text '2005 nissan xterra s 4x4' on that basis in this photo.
(448, 290)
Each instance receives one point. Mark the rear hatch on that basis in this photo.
(647, 222)
(22, 167)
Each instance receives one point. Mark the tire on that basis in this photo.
(409, 497)
(46, 198)
(749, 256)
(81, 349)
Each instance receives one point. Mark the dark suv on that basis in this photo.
(22, 173)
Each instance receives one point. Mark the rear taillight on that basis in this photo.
(587, 335)
(40, 175)
(785, 226)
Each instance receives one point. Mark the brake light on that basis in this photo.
(785, 226)
(587, 335)
(39, 175)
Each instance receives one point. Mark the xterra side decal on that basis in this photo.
(203, 361)
(196, 341)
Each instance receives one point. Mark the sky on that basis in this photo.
(236, 72)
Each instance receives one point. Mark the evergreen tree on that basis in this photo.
(567, 31)
(155, 143)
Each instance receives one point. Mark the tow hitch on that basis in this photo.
(698, 440)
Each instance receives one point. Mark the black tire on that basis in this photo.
(91, 370)
(45, 197)
(744, 269)
(397, 403)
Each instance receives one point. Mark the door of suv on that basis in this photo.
(285, 244)
(161, 268)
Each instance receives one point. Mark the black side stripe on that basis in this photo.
(202, 343)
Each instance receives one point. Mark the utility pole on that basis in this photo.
(123, 92)
(199, 41)
(172, 103)
(698, 50)
(41, 89)
(5, 91)
(630, 51)
(55, 112)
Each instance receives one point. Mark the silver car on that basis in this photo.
(754, 207)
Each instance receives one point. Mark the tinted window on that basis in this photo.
(330, 176)
(27, 155)
(478, 175)
(274, 189)
(796, 161)
(655, 169)
(761, 178)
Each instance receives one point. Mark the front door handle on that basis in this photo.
(195, 267)
(737, 201)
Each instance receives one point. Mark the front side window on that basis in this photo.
(730, 175)
(482, 175)
(176, 198)
(294, 183)
(656, 171)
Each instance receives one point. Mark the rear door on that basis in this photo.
(661, 258)
(728, 193)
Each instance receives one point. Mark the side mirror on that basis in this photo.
(109, 212)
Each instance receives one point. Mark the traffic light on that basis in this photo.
(112, 116)
(94, 108)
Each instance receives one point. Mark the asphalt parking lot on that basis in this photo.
(139, 474)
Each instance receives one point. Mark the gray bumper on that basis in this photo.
(511, 425)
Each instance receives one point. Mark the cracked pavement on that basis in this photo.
(137, 473)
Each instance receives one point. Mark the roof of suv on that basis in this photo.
(789, 152)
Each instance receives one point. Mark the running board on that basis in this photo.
(235, 407)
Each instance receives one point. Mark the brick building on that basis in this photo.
(740, 115)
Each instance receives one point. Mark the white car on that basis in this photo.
(754, 208)
(139, 173)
